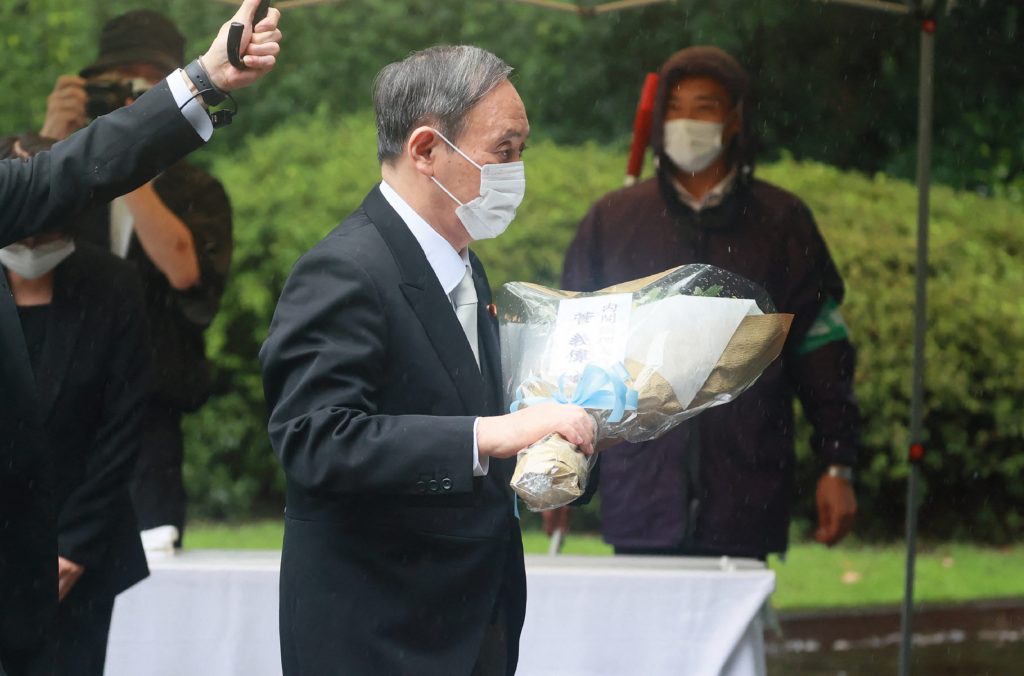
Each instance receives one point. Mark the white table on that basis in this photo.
(214, 613)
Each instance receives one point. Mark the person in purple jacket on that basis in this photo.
(722, 483)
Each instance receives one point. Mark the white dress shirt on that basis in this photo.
(714, 197)
(448, 265)
(122, 226)
(189, 105)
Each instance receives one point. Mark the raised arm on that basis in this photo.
(121, 151)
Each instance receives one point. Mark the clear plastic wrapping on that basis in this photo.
(640, 357)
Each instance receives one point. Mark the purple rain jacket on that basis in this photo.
(722, 482)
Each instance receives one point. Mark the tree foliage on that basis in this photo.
(831, 83)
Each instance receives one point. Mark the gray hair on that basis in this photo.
(437, 86)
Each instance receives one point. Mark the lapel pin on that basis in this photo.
(493, 309)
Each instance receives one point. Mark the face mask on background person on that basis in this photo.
(34, 262)
(502, 187)
(693, 145)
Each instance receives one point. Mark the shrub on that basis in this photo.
(974, 375)
(290, 187)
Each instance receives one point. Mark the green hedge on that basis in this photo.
(291, 186)
(975, 376)
(581, 76)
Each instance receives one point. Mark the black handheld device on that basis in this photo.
(235, 35)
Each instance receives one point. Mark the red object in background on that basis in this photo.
(641, 129)
(929, 25)
(916, 452)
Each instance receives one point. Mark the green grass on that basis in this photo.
(811, 577)
(268, 534)
(535, 542)
(815, 577)
(256, 535)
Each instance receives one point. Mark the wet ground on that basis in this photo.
(980, 639)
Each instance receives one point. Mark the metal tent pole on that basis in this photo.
(926, 89)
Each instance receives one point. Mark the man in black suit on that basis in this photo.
(115, 154)
(402, 549)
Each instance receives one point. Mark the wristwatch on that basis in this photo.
(212, 94)
(844, 472)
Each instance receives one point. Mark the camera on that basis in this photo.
(105, 94)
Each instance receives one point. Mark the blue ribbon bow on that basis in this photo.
(598, 389)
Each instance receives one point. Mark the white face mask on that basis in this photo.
(693, 145)
(34, 262)
(502, 188)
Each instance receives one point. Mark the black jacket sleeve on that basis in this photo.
(113, 155)
(823, 381)
(324, 364)
(822, 378)
(812, 277)
(90, 511)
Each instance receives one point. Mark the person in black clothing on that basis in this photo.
(37, 193)
(116, 153)
(722, 483)
(82, 318)
(177, 231)
(382, 372)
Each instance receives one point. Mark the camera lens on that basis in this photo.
(105, 97)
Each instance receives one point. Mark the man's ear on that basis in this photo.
(422, 148)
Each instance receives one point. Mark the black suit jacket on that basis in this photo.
(395, 555)
(92, 385)
(111, 156)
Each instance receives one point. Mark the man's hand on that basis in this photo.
(68, 573)
(259, 49)
(504, 436)
(65, 108)
(556, 519)
(837, 507)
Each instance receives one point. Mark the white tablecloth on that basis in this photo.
(214, 613)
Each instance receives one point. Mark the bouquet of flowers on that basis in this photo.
(640, 357)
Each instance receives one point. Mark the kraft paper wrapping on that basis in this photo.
(657, 403)
(553, 473)
(756, 344)
(550, 474)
